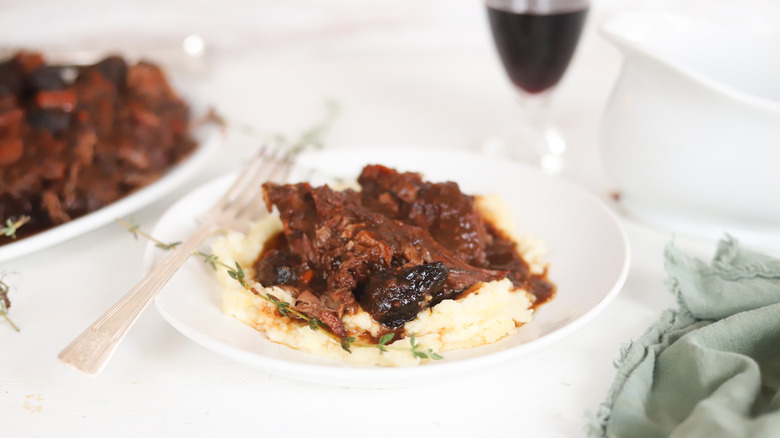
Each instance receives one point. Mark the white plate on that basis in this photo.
(572, 222)
(207, 138)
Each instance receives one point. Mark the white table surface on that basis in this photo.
(404, 73)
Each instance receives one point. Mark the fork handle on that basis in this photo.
(92, 349)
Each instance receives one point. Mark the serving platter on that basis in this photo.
(588, 255)
(208, 140)
(207, 137)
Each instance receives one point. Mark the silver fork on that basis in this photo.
(91, 350)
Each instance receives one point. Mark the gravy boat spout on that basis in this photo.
(691, 132)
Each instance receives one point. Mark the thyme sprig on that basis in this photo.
(9, 230)
(5, 303)
(416, 352)
(312, 138)
(284, 308)
(12, 226)
(238, 275)
(383, 341)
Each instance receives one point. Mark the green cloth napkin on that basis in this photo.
(710, 369)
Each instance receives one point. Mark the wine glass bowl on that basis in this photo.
(535, 41)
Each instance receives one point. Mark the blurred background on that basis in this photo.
(403, 72)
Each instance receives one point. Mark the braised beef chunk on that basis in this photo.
(46, 77)
(348, 244)
(297, 216)
(70, 147)
(453, 220)
(284, 268)
(114, 68)
(308, 303)
(11, 79)
(450, 216)
(53, 121)
(393, 298)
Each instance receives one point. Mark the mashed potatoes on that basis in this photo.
(484, 315)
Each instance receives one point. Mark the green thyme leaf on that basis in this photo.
(281, 306)
(316, 324)
(383, 341)
(209, 259)
(133, 227)
(168, 246)
(11, 226)
(416, 348)
(434, 355)
(346, 342)
(430, 354)
(238, 275)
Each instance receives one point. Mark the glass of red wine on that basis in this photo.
(535, 40)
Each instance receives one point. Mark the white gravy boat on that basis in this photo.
(691, 133)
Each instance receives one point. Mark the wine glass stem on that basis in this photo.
(545, 139)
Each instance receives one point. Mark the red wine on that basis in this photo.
(536, 49)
